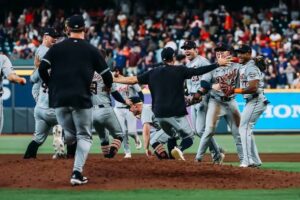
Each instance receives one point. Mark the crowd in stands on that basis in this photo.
(135, 36)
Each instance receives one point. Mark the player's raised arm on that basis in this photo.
(190, 72)
(12, 77)
(126, 80)
(9, 72)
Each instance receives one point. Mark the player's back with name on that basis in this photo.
(73, 62)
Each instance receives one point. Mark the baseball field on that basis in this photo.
(142, 178)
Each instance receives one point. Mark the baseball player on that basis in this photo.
(157, 138)
(45, 118)
(127, 120)
(104, 117)
(73, 63)
(219, 104)
(251, 86)
(166, 84)
(8, 72)
(198, 111)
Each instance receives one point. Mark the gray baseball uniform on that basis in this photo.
(6, 69)
(45, 117)
(158, 135)
(126, 118)
(219, 105)
(256, 104)
(104, 117)
(198, 111)
(39, 54)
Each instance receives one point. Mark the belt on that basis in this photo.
(253, 96)
(222, 98)
(125, 107)
(266, 102)
(102, 106)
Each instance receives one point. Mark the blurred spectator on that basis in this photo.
(133, 60)
(270, 77)
(281, 79)
(296, 82)
(290, 73)
(136, 35)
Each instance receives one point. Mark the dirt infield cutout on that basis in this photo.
(140, 173)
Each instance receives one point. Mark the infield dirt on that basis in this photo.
(142, 173)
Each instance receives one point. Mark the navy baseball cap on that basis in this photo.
(189, 44)
(76, 22)
(51, 32)
(243, 49)
(167, 54)
(135, 100)
(223, 47)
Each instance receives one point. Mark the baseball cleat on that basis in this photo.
(127, 155)
(58, 144)
(78, 179)
(257, 166)
(177, 154)
(138, 143)
(243, 166)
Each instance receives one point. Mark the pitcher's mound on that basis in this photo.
(138, 173)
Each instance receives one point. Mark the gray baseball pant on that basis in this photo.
(77, 125)
(45, 119)
(198, 114)
(216, 109)
(179, 125)
(106, 122)
(1, 115)
(252, 111)
(128, 123)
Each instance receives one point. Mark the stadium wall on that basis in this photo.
(282, 114)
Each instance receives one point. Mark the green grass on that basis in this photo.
(284, 194)
(265, 143)
(283, 166)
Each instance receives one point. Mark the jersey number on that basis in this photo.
(45, 88)
(94, 87)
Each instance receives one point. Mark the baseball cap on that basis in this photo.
(223, 47)
(51, 32)
(76, 22)
(243, 49)
(167, 54)
(135, 100)
(189, 45)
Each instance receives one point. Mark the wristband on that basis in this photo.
(238, 90)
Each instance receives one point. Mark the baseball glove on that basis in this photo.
(228, 90)
(260, 63)
(193, 99)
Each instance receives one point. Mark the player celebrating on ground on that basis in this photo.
(219, 104)
(251, 86)
(156, 138)
(166, 84)
(198, 111)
